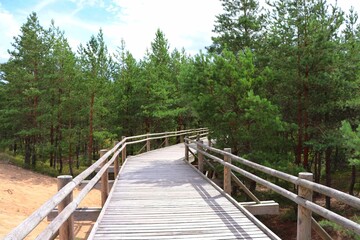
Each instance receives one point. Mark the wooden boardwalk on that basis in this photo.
(159, 196)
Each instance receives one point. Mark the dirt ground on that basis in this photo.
(23, 191)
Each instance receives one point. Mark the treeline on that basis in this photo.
(286, 85)
(279, 86)
(62, 107)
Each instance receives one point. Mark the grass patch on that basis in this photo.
(42, 167)
(334, 228)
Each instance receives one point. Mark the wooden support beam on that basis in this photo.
(66, 231)
(181, 138)
(148, 146)
(209, 141)
(200, 156)
(166, 141)
(262, 208)
(227, 173)
(104, 181)
(123, 153)
(319, 230)
(84, 182)
(110, 169)
(186, 151)
(244, 188)
(116, 164)
(80, 214)
(304, 214)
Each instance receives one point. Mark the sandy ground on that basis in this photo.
(23, 191)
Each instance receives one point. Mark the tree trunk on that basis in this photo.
(14, 148)
(91, 119)
(33, 153)
(95, 150)
(299, 146)
(252, 187)
(52, 145)
(70, 148)
(317, 169)
(306, 123)
(35, 114)
(300, 130)
(27, 159)
(60, 159)
(78, 149)
(147, 125)
(328, 173)
(70, 160)
(353, 180)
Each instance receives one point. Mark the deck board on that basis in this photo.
(159, 196)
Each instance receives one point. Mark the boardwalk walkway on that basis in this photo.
(159, 196)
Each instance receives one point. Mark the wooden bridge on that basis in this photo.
(160, 195)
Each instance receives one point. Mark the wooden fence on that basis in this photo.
(63, 223)
(303, 182)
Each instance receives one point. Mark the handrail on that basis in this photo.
(170, 134)
(51, 229)
(331, 192)
(23, 229)
(343, 197)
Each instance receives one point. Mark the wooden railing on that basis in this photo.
(63, 223)
(304, 183)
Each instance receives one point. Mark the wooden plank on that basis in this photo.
(262, 208)
(80, 214)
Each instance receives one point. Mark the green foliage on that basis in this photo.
(351, 142)
(274, 87)
(331, 226)
(224, 97)
(239, 27)
(157, 112)
(23, 74)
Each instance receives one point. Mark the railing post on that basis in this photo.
(166, 141)
(104, 180)
(123, 153)
(209, 141)
(304, 214)
(116, 163)
(66, 231)
(186, 150)
(148, 146)
(197, 137)
(181, 138)
(200, 156)
(227, 173)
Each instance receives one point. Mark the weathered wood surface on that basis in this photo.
(159, 196)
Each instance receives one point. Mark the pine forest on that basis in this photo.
(278, 85)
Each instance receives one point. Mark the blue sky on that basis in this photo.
(186, 23)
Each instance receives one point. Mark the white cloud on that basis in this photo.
(186, 23)
(183, 22)
(9, 28)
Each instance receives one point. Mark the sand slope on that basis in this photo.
(23, 191)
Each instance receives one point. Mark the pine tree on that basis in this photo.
(97, 67)
(24, 74)
(156, 76)
(222, 89)
(304, 45)
(128, 93)
(239, 27)
(62, 99)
